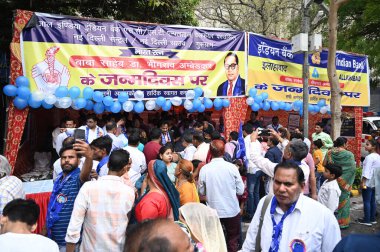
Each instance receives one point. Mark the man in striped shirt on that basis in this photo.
(65, 190)
(102, 208)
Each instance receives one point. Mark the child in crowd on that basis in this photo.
(318, 160)
(329, 192)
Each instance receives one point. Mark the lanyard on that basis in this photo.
(101, 163)
(277, 227)
(88, 132)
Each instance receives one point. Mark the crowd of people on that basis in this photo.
(178, 184)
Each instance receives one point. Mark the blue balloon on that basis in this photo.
(108, 101)
(22, 81)
(252, 92)
(266, 105)
(191, 110)
(274, 105)
(282, 105)
(20, 103)
(139, 107)
(301, 112)
(208, 103)
(10, 90)
(226, 103)
(297, 104)
(74, 92)
(218, 103)
(123, 97)
(259, 98)
(46, 106)
(311, 108)
(160, 101)
(80, 103)
(264, 95)
(61, 92)
(255, 106)
(89, 105)
(33, 103)
(201, 108)
(107, 108)
(197, 103)
(167, 105)
(23, 92)
(217, 108)
(321, 103)
(198, 92)
(88, 93)
(116, 107)
(97, 96)
(98, 108)
(288, 107)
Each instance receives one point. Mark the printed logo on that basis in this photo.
(297, 245)
(61, 198)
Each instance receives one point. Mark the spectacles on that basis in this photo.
(231, 66)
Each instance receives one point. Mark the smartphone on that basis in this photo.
(79, 134)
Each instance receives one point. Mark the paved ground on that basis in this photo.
(356, 213)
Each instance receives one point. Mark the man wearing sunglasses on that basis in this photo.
(234, 85)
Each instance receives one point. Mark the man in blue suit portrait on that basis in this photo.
(234, 85)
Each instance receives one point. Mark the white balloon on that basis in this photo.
(65, 102)
(295, 108)
(313, 113)
(139, 95)
(57, 103)
(250, 101)
(50, 99)
(150, 105)
(176, 101)
(188, 105)
(38, 95)
(207, 93)
(190, 94)
(323, 109)
(157, 107)
(128, 106)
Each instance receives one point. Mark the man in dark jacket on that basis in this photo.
(274, 154)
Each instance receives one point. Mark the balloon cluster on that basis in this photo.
(260, 101)
(96, 101)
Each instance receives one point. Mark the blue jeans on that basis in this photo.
(369, 204)
(253, 186)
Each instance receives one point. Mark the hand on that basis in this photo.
(362, 185)
(274, 133)
(93, 175)
(100, 134)
(254, 135)
(83, 148)
(62, 130)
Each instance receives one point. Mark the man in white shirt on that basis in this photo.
(292, 221)
(101, 148)
(18, 222)
(220, 182)
(92, 130)
(296, 151)
(275, 124)
(102, 208)
(111, 128)
(330, 192)
(188, 152)
(202, 147)
(137, 156)
(68, 131)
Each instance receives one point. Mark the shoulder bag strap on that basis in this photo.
(268, 199)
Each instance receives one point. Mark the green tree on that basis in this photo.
(152, 11)
(359, 32)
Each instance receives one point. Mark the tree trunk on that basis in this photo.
(336, 92)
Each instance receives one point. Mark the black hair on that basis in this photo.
(65, 148)
(103, 142)
(110, 125)
(26, 211)
(274, 140)
(195, 163)
(234, 55)
(320, 124)
(198, 125)
(164, 122)
(199, 137)
(334, 169)
(155, 133)
(68, 119)
(118, 160)
(134, 138)
(91, 116)
(298, 149)
(291, 165)
(318, 143)
(255, 112)
(248, 128)
(372, 142)
(164, 148)
(234, 135)
(340, 142)
(295, 135)
(187, 137)
(215, 135)
(68, 141)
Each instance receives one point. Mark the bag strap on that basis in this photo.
(268, 199)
